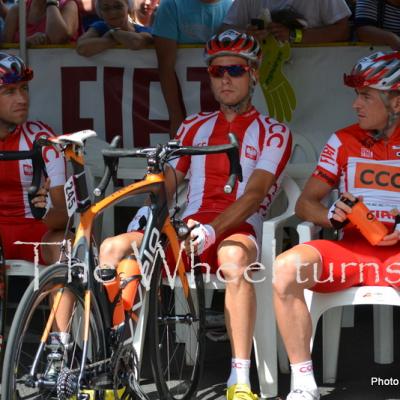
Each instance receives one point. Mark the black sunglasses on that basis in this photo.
(234, 71)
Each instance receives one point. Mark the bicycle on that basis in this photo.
(102, 361)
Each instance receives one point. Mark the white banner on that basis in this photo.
(118, 91)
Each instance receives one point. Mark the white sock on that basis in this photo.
(240, 372)
(303, 376)
(64, 338)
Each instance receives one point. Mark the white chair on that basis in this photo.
(330, 306)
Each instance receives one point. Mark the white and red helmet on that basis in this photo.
(13, 70)
(233, 43)
(380, 70)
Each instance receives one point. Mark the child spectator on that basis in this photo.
(378, 22)
(144, 11)
(116, 28)
(48, 22)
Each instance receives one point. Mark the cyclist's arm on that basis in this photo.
(309, 206)
(257, 188)
(171, 182)
(57, 217)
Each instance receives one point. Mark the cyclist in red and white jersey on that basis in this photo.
(363, 162)
(16, 219)
(229, 225)
(18, 134)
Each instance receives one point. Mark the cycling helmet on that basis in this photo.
(233, 43)
(380, 70)
(13, 70)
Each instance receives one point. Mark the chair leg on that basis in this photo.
(331, 325)
(265, 338)
(383, 334)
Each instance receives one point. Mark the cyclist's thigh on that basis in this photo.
(29, 230)
(347, 263)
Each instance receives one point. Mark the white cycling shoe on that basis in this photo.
(303, 394)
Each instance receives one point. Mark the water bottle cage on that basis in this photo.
(124, 282)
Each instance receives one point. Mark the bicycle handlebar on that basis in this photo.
(159, 155)
(38, 166)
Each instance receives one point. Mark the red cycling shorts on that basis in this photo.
(210, 255)
(24, 230)
(353, 261)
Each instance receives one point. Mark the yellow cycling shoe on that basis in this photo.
(240, 392)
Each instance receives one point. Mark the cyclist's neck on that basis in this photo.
(5, 129)
(231, 113)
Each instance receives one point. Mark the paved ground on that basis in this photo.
(355, 367)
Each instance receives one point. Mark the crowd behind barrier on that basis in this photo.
(114, 93)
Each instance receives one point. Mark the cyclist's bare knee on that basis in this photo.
(295, 270)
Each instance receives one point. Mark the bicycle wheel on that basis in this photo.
(3, 305)
(24, 341)
(177, 335)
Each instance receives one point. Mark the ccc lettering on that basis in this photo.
(381, 178)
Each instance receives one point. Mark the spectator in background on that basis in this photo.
(327, 20)
(176, 22)
(378, 22)
(143, 12)
(48, 22)
(3, 13)
(116, 28)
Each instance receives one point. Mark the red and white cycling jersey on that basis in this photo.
(263, 144)
(16, 176)
(354, 162)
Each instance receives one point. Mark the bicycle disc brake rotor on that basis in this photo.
(67, 384)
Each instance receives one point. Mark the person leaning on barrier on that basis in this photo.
(378, 22)
(229, 225)
(182, 22)
(48, 22)
(362, 161)
(116, 29)
(325, 20)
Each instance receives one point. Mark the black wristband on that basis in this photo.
(52, 3)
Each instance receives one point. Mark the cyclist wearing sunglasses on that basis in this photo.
(17, 134)
(363, 162)
(227, 227)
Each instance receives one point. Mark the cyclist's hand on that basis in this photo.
(337, 213)
(41, 198)
(390, 239)
(201, 237)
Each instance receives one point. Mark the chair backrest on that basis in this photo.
(303, 160)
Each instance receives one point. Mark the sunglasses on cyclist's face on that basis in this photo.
(234, 71)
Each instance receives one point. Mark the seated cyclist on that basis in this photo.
(229, 225)
(16, 133)
(362, 161)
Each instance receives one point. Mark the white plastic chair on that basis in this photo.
(330, 306)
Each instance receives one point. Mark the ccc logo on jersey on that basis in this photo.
(377, 176)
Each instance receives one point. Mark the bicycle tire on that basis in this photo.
(176, 367)
(20, 350)
(3, 303)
